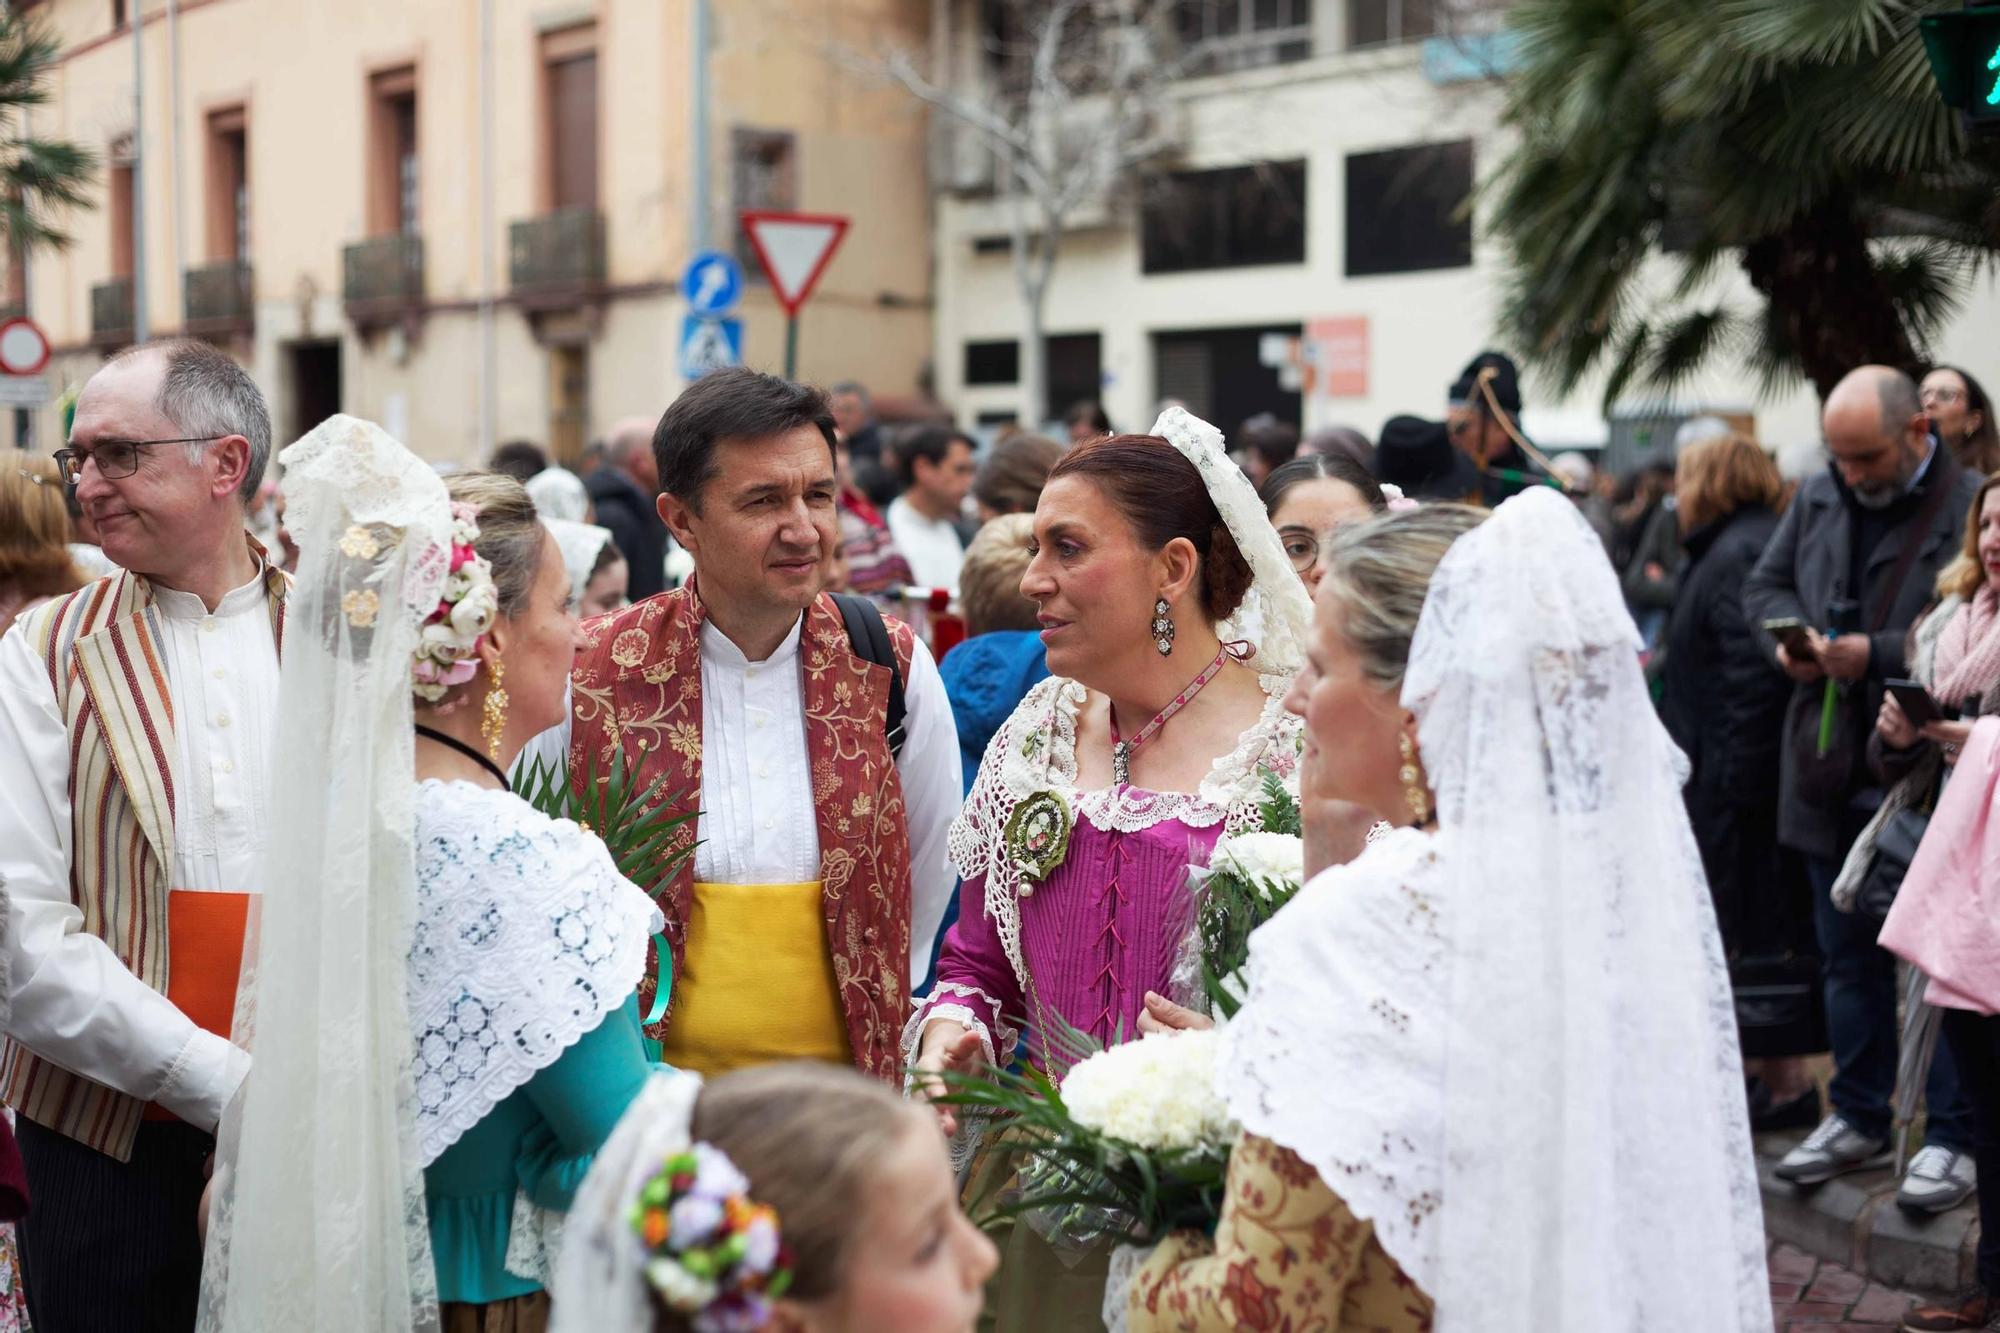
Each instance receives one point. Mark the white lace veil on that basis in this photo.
(600, 1282)
(1597, 1162)
(1277, 613)
(1512, 1045)
(319, 1218)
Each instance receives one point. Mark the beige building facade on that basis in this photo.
(1300, 251)
(467, 219)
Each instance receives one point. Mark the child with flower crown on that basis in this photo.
(801, 1197)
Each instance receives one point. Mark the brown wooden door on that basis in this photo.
(573, 131)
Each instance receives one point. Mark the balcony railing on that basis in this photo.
(383, 278)
(111, 313)
(217, 298)
(557, 259)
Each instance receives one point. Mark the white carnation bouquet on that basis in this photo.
(1249, 876)
(1132, 1143)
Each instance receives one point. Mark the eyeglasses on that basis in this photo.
(1302, 548)
(1942, 395)
(114, 458)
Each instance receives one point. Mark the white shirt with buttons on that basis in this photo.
(223, 670)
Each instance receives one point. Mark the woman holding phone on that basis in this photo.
(1954, 654)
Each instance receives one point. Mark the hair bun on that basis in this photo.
(1225, 574)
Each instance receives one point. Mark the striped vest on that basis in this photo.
(102, 650)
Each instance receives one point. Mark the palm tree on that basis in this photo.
(40, 179)
(1802, 140)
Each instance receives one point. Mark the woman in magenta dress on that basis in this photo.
(1173, 625)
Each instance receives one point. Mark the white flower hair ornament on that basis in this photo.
(447, 652)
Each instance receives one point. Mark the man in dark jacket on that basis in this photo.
(1471, 454)
(1858, 553)
(625, 493)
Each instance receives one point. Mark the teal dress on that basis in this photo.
(524, 968)
(539, 1141)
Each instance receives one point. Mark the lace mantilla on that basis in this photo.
(1338, 1050)
(526, 938)
(1035, 750)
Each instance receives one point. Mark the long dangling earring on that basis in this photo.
(1163, 627)
(494, 720)
(1412, 777)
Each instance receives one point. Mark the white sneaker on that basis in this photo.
(1833, 1148)
(1938, 1179)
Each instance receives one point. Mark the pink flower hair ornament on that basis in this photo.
(447, 652)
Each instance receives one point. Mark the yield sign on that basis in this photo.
(794, 249)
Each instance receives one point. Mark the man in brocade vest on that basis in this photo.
(819, 874)
(136, 718)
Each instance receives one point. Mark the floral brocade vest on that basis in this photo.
(637, 687)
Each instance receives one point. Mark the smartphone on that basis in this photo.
(1915, 701)
(1791, 632)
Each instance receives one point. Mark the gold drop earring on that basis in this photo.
(493, 721)
(1412, 777)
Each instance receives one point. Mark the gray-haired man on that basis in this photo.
(135, 723)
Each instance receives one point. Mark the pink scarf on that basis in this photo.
(1946, 918)
(1968, 652)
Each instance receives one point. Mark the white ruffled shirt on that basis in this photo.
(74, 1003)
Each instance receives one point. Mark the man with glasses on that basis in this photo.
(136, 717)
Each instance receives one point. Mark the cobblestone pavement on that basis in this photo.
(1809, 1295)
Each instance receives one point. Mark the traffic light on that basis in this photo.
(1964, 50)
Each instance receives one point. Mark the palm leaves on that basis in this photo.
(1694, 133)
(636, 824)
(39, 178)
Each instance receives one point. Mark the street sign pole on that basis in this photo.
(794, 249)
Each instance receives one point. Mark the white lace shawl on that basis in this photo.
(1561, 1059)
(526, 938)
(1035, 750)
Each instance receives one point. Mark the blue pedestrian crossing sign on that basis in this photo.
(709, 344)
(712, 284)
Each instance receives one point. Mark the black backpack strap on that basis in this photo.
(870, 639)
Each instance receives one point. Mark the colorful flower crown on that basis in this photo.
(713, 1254)
(446, 653)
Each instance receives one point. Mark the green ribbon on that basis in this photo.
(665, 955)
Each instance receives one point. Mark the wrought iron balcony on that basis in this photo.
(557, 259)
(216, 298)
(111, 313)
(383, 278)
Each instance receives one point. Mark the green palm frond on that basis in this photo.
(636, 824)
(1084, 1182)
(1723, 130)
(40, 178)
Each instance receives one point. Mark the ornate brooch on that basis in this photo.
(1037, 837)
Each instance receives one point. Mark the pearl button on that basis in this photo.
(208, 626)
(763, 770)
(222, 719)
(220, 673)
(228, 765)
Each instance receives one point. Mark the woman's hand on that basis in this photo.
(1894, 725)
(947, 1048)
(1952, 736)
(1163, 1015)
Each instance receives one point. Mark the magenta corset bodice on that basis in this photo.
(1100, 932)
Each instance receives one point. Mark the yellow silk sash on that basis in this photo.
(755, 984)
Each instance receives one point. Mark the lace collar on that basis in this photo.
(526, 938)
(1035, 751)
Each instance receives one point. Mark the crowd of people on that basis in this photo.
(1621, 798)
